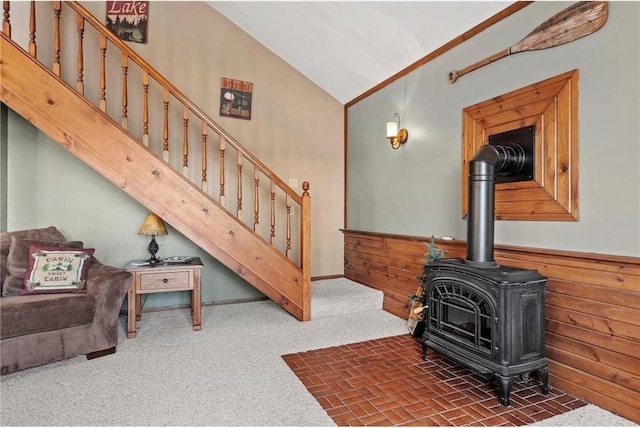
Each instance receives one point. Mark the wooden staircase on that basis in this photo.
(107, 145)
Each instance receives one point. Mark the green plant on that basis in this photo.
(434, 253)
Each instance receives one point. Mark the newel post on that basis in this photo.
(6, 22)
(305, 251)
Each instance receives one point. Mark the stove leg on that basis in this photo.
(424, 352)
(505, 383)
(544, 374)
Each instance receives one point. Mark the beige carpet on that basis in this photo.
(229, 374)
(331, 297)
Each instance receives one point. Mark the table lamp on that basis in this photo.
(153, 225)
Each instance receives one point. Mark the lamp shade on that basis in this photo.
(153, 225)
(392, 129)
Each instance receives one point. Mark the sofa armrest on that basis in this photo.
(108, 285)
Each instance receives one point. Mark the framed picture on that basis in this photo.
(128, 19)
(235, 98)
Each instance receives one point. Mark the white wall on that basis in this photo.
(296, 130)
(416, 190)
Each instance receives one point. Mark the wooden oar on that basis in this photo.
(574, 22)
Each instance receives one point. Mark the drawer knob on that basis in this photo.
(165, 280)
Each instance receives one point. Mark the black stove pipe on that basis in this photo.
(481, 190)
(488, 160)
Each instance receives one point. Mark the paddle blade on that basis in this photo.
(574, 22)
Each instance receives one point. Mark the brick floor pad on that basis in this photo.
(385, 382)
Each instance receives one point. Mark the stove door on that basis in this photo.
(462, 312)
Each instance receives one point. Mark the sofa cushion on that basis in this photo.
(22, 315)
(18, 261)
(50, 233)
(57, 270)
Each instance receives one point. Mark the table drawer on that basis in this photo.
(165, 281)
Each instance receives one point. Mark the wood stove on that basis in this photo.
(489, 320)
(486, 317)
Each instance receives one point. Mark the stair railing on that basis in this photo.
(161, 100)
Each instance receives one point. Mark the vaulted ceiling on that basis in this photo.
(348, 47)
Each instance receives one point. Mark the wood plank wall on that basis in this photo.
(592, 308)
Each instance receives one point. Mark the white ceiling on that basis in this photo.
(348, 47)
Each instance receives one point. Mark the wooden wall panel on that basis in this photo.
(592, 305)
(552, 106)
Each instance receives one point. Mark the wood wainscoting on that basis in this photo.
(592, 305)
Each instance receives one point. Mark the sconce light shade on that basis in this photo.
(392, 129)
(395, 134)
(153, 225)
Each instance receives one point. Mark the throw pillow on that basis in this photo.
(50, 233)
(18, 261)
(57, 270)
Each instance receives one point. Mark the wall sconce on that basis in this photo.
(395, 134)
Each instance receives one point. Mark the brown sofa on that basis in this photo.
(42, 328)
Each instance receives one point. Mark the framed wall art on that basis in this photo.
(128, 19)
(235, 98)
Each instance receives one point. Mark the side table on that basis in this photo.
(162, 278)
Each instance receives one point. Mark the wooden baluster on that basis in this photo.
(165, 128)
(125, 96)
(6, 22)
(203, 185)
(33, 50)
(103, 73)
(56, 38)
(185, 140)
(80, 83)
(272, 239)
(256, 199)
(145, 108)
(222, 148)
(239, 185)
(288, 251)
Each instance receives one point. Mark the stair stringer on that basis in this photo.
(60, 112)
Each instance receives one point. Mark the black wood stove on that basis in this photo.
(486, 317)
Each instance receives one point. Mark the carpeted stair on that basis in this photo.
(331, 297)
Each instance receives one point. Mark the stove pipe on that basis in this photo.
(488, 160)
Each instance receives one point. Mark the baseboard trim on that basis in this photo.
(186, 306)
(225, 302)
(318, 278)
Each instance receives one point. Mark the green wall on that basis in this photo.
(47, 186)
(416, 190)
(3, 167)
